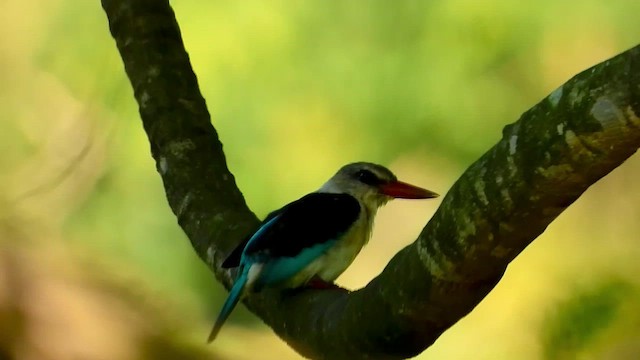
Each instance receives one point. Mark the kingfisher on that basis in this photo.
(312, 240)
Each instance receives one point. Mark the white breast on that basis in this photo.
(341, 255)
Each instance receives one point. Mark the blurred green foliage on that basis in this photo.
(576, 324)
(295, 90)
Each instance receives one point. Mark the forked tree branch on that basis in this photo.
(542, 164)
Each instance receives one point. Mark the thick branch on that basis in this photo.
(545, 160)
(201, 191)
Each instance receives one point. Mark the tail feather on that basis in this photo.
(229, 304)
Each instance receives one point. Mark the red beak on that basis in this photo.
(402, 190)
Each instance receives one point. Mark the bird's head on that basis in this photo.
(373, 185)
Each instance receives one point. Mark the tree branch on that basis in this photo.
(201, 191)
(543, 163)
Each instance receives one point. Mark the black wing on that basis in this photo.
(313, 219)
(233, 259)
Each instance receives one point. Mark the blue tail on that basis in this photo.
(230, 303)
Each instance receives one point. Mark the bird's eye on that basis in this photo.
(367, 177)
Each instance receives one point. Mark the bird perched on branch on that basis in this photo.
(312, 240)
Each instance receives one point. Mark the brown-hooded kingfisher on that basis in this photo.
(312, 240)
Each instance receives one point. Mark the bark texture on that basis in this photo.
(542, 164)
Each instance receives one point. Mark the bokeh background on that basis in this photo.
(94, 266)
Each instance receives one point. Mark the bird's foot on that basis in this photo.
(319, 284)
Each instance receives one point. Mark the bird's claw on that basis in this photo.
(319, 284)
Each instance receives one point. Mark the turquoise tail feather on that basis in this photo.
(230, 303)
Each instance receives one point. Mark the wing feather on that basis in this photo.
(312, 220)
